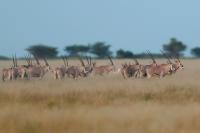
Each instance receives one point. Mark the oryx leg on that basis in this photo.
(136, 74)
(148, 75)
(41, 74)
(9, 76)
(162, 75)
(60, 75)
(123, 74)
(55, 75)
(23, 74)
(3, 77)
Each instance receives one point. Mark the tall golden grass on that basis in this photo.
(103, 103)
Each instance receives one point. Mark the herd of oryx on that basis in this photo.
(136, 70)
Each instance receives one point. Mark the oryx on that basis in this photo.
(38, 70)
(78, 71)
(160, 70)
(175, 66)
(59, 72)
(13, 72)
(131, 70)
(100, 70)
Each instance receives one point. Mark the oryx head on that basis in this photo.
(179, 65)
(124, 66)
(89, 67)
(94, 64)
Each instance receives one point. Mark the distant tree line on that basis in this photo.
(98, 49)
(3, 57)
(102, 50)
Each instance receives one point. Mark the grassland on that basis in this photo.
(103, 104)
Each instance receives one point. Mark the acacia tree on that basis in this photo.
(196, 51)
(174, 47)
(77, 50)
(124, 54)
(41, 51)
(100, 49)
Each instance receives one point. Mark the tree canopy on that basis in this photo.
(174, 47)
(101, 49)
(77, 49)
(195, 51)
(41, 51)
(124, 54)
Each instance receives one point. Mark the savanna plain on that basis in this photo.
(102, 104)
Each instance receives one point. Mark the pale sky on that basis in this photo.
(135, 25)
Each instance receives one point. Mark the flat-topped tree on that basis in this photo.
(196, 52)
(101, 49)
(77, 50)
(43, 51)
(174, 47)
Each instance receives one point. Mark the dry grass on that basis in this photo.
(103, 104)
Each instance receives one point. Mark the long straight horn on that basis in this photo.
(87, 60)
(13, 61)
(149, 53)
(111, 60)
(82, 63)
(26, 58)
(166, 56)
(90, 61)
(64, 61)
(36, 59)
(135, 59)
(177, 57)
(16, 60)
(46, 63)
(30, 59)
(170, 57)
